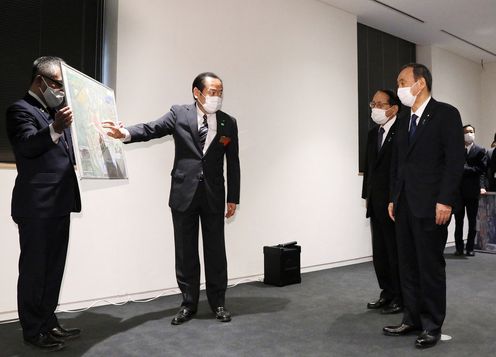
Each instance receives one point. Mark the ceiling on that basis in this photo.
(470, 20)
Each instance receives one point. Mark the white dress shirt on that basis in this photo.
(419, 111)
(386, 128)
(53, 134)
(212, 127)
(469, 147)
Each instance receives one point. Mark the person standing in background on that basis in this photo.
(45, 193)
(491, 167)
(376, 183)
(426, 171)
(473, 184)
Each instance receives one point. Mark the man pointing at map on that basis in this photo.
(203, 136)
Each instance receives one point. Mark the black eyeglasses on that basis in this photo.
(57, 82)
(378, 105)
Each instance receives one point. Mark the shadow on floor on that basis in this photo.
(98, 327)
(245, 306)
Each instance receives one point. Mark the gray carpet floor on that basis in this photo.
(325, 315)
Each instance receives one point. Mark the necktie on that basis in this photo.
(413, 126)
(202, 132)
(380, 136)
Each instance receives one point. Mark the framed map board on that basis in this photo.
(98, 156)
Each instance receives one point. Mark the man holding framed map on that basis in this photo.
(45, 193)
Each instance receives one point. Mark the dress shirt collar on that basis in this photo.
(32, 94)
(469, 147)
(389, 124)
(200, 115)
(421, 109)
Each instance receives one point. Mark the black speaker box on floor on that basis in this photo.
(282, 264)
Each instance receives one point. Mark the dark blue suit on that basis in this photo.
(473, 180)
(198, 193)
(44, 195)
(426, 170)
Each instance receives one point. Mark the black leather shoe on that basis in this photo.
(392, 308)
(65, 333)
(222, 314)
(183, 315)
(458, 254)
(399, 330)
(377, 304)
(427, 339)
(470, 254)
(45, 341)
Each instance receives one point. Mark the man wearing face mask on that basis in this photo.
(44, 195)
(385, 105)
(473, 184)
(426, 171)
(203, 136)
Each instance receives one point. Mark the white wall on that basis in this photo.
(488, 107)
(9, 253)
(456, 80)
(290, 74)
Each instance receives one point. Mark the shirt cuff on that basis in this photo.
(127, 137)
(54, 135)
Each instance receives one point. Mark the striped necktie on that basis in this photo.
(202, 132)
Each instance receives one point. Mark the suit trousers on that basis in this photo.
(422, 268)
(472, 206)
(385, 257)
(43, 243)
(186, 229)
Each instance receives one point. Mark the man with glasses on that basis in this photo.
(44, 195)
(203, 136)
(385, 105)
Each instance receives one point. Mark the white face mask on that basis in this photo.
(212, 103)
(469, 137)
(406, 96)
(379, 116)
(52, 97)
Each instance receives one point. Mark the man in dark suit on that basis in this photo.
(203, 136)
(44, 195)
(473, 184)
(426, 171)
(491, 167)
(376, 176)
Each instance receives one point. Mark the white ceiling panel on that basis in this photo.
(470, 20)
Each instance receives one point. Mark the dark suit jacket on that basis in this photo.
(429, 169)
(189, 163)
(491, 170)
(377, 173)
(474, 172)
(46, 184)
